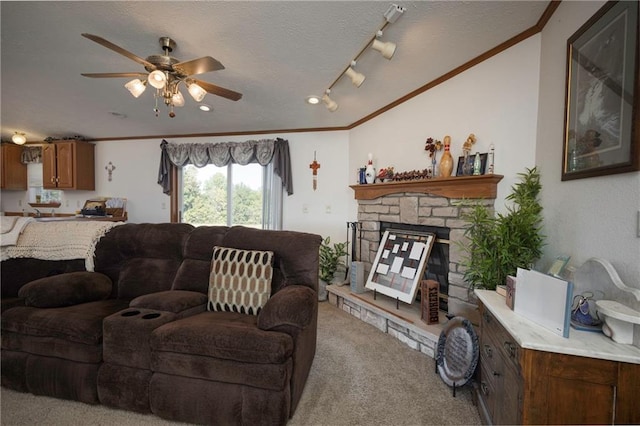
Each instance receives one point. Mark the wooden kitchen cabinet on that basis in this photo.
(14, 173)
(522, 385)
(68, 165)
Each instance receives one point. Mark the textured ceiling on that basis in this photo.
(275, 53)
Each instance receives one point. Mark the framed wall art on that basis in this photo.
(601, 134)
(400, 263)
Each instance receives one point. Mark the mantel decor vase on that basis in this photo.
(446, 162)
(370, 171)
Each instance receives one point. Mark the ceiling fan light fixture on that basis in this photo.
(136, 87)
(196, 92)
(356, 78)
(19, 138)
(177, 99)
(386, 48)
(157, 79)
(205, 108)
(329, 103)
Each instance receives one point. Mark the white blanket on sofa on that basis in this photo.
(12, 227)
(64, 240)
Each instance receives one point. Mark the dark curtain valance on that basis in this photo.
(31, 154)
(221, 154)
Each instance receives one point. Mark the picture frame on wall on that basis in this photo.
(602, 94)
(470, 160)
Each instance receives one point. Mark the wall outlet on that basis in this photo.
(305, 208)
(327, 209)
(19, 203)
(164, 206)
(66, 203)
(78, 204)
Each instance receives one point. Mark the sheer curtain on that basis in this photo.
(271, 153)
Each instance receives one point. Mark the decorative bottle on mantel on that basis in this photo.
(370, 172)
(446, 162)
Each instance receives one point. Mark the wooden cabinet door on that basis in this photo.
(49, 173)
(65, 164)
(14, 173)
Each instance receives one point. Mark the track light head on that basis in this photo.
(356, 78)
(329, 103)
(386, 48)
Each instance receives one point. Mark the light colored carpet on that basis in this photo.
(360, 376)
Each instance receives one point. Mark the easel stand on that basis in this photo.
(375, 294)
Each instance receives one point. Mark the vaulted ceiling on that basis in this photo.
(276, 53)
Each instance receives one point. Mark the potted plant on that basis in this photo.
(498, 244)
(330, 258)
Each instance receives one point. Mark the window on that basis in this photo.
(230, 195)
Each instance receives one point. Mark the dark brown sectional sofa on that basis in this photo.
(136, 334)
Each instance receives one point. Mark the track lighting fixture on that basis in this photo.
(356, 78)
(19, 138)
(329, 103)
(386, 48)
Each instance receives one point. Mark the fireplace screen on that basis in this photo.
(399, 264)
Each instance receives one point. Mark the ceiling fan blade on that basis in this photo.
(115, 74)
(119, 50)
(217, 90)
(198, 66)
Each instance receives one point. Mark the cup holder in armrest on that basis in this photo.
(151, 316)
(130, 313)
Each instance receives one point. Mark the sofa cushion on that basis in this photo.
(146, 275)
(223, 335)
(240, 280)
(68, 289)
(79, 323)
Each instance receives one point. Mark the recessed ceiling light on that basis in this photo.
(313, 100)
(205, 107)
(118, 114)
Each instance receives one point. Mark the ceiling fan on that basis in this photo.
(165, 73)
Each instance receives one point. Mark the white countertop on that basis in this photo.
(530, 335)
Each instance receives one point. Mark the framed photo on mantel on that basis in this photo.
(602, 107)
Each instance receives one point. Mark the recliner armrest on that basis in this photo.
(293, 306)
(68, 289)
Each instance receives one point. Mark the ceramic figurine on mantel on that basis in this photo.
(467, 166)
(446, 163)
(370, 171)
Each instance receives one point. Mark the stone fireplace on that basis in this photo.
(433, 204)
(430, 203)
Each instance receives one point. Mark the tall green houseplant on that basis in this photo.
(498, 244)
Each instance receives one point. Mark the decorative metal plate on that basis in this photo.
(458, 352)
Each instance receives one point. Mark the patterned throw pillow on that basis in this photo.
(240, 280)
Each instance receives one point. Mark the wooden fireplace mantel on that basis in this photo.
(485, 186)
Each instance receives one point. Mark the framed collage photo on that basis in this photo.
(400, 263)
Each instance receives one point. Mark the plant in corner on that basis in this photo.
(331, 258)
(498, 244)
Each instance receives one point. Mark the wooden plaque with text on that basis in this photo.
(429, 301)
